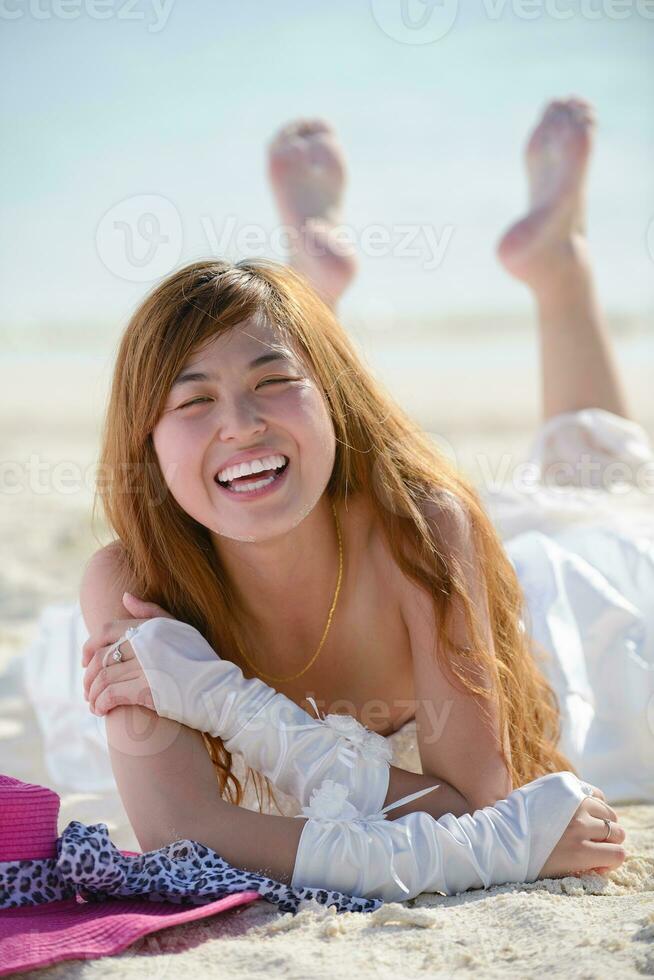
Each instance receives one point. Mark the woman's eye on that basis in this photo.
(272, 381)
(195, 401)
(205, 398)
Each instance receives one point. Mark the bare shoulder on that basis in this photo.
(105, 579)
(450, 526)
(391, 578)
(449, 521)
(109, 560)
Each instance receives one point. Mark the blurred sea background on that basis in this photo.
(135, 141)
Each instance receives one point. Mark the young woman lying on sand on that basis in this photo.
(360, 565)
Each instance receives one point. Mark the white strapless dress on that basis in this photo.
(584, 555)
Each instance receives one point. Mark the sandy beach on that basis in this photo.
(479, 394)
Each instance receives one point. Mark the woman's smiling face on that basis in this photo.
(238, 406)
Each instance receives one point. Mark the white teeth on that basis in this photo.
(252, 466)
(243, 487)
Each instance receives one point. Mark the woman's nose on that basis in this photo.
(238, 418)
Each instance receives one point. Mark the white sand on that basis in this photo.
(593, 927)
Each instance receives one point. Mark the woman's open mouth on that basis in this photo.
(255, 484)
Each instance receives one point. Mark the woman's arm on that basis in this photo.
(164, 775)
(104, 581)
(457, 740)
(170, 793)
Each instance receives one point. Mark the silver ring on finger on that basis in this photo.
(114, 653)
(608, 828)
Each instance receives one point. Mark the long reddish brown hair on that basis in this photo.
(417, 494)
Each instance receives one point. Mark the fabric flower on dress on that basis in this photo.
(370, 745)
(329, 802)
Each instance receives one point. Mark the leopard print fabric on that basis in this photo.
(88, 864)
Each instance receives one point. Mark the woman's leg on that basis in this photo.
(306, 166)
(548, 251)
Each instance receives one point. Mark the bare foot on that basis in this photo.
(306, 166)
(553, 231)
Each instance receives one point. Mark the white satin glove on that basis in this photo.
(192, 685)
(342, 849)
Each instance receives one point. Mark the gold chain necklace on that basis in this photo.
(271, 677)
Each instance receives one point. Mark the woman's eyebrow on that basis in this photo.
(187, 376)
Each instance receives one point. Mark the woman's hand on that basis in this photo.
(106, 685)
(584, 845)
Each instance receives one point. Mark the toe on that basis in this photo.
(581, 110)
(287, 132)
(286, 147)
(312, 127)
(570, 112)
(554, 108)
